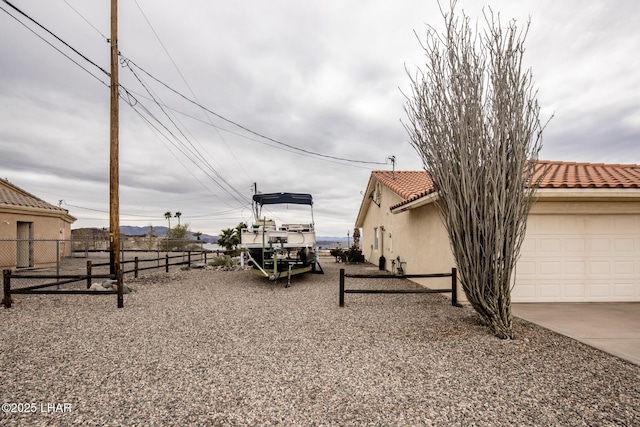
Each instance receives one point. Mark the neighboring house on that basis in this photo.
(582, 241)
(30, 229)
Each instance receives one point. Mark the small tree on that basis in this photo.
(474, 120)
(150, 238)
(178, 238)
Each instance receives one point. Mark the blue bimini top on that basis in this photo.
(283, 198)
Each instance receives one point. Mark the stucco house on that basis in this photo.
(30, 229)
(582, 241)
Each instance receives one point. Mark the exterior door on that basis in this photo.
(24, 257)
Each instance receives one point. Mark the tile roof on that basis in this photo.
(413, 185)
(406, 184)
(587, 175)
(15, 196)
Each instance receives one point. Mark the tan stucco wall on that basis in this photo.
(45, 226)
(379, 217)
(417, 236)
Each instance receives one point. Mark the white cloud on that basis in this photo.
(321, 76)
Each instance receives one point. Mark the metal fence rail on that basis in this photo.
(51, 253)
(40, 289)
(28, 276)
(453, 290)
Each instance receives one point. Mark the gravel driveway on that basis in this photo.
(206, 347)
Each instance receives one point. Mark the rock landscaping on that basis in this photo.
(227, 348)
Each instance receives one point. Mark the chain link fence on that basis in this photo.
(70, 255)
(39, 266)
(31, 253)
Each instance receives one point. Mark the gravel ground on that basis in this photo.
(207, 347)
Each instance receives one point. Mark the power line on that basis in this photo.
(154, 129)
(243, 199)
(193, 150)
(247, 129)
(86, 20)
(101, 211)
(189, 87)
(229, 211)
(185, 150)
(56, 37)
(297, 149)
(61, 52)
(135, 107)
(240, 198)
(163, 107)
(244, 136)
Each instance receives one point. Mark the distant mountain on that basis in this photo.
(332, 242)
(160, 231)
(129, 230)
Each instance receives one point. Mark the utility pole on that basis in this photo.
(114, 204)
(256, 212)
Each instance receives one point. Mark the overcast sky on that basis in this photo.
(320, 76)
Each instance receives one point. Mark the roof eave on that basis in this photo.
(421, 201)
(57, 213)
(364, 206)
(547, 194)
(587, 194)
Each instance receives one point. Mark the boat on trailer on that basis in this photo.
(280, 251)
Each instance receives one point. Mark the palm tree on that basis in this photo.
(228, 239)
(168, 216)
(177, 215)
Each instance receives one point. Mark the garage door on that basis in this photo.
(579, 258)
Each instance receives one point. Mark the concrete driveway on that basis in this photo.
(611, 327)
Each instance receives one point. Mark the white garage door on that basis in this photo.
(579, 258)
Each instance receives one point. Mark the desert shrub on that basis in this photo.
(221, 261)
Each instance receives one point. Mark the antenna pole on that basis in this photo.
(393, 166)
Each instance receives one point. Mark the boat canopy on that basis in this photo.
(283, 198)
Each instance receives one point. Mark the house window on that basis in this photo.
(375, 238)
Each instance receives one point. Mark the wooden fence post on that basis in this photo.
(120, 283)
(189, 258)
(166, 263)
(89, 268)
(341, 299)
(454, 287)
(6, 275)
(135, 268)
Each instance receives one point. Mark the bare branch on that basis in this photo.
(473, 118)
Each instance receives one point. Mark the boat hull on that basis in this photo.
(281, 274)
(275, 263)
